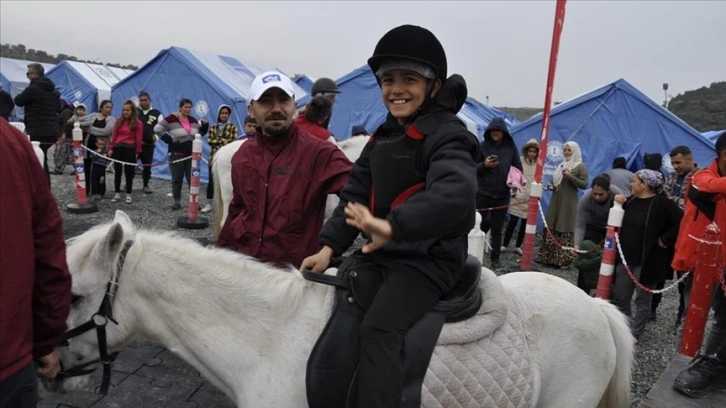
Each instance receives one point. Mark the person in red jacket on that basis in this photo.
(317, 113)
(280, 178)
(125, 147)
(705, 204)
(35, 285)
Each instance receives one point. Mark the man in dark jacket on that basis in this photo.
(149, 116)
(497, 154)
(42, 104)
(6, 104)
(281, 179)
(35, 286)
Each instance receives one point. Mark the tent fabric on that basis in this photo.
(712, 136)
(614, 120)
(14, 81)
(359, 103)
(209, 80)
(87, 83)
(304, 82)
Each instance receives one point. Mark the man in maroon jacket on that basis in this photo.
(35, 286)
(281, 179)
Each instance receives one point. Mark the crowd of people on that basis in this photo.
(420, 164)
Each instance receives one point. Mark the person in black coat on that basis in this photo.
(149, 116)
(42, 105)
(497, 154)
(412, 192)
(6, 104)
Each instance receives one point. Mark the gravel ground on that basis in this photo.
(153, 211)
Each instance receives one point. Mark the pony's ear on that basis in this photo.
(124, 220)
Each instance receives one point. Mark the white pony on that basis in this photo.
(222, 173)
(249, 327)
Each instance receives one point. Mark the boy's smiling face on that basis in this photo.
(403, 92)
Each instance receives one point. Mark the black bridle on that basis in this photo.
(99, 320)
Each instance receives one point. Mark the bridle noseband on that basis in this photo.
(99, 320)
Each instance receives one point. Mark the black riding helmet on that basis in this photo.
(412, 43)
(324, 86)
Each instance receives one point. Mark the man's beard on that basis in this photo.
(275, 131)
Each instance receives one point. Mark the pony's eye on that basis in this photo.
(75, 299)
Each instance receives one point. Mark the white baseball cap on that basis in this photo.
(271, 79)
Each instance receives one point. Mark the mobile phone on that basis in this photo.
(494, 157)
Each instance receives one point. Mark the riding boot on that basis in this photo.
(705, 374)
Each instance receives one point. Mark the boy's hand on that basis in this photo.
(318, 262)
(378, 229)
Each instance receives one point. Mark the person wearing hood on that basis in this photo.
(567, 178)
(497, 154)
(518, 211)
(220, 133)
(412, 193)
(41, 102)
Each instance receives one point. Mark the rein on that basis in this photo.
(99, 320)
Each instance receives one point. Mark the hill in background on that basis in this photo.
(704, 108)
(521, 114)
(20, 52)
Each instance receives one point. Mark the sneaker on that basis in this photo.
(518, 250)
(207, 208)
(116, 198)
(128, 199)
(147, 190)
(176, 206)
(705, 374)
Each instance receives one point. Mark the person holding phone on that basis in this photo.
(497, 154)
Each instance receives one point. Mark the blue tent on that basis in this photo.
(87, 83)
(611, 121)
(304, 82)
(712, 136)
(359, 103)
(14, 81)
(209, 80)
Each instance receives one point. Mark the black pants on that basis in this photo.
(210, 184)
(179, 171)
(124, 154)
(513, 221)
(147, 157)
(493, 220)
(20, 390)
(98, 180)
(405, 296)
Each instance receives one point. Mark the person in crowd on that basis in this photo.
(35, 285)
(359, 130)
(317, 113)
(6, 104)
(41, 102)
(250, 128)
(620, 176)
(518, 210)
(568, 177)
(705, 205)
(125, 147)
(593, 210)
(497, 154)
(388, 196)
(587, 264)
(325, 87)
(220, 134)
(99, 124)
(63, 154)
(654, 161)
(149, 116)
(278, 196)
(649, 228)
(99, 163)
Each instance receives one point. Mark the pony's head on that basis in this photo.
(96, 258)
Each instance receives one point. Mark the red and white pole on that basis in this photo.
(81, 206)
(609, 253)
(705, 279)
(532, 213)
(193, 220)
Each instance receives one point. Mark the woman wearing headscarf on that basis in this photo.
(568, 177)
(649, 230)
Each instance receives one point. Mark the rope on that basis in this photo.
(135, 164)
(558, 243)
(517, 202)
(636, 281)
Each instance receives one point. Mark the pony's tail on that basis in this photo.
(218, 202)
(618, 392)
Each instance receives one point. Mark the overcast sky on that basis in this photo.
(501, 48)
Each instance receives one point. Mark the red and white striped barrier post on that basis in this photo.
(193, 220)
(535, 194)
(610, 250)
(81, 206)
(705, 279)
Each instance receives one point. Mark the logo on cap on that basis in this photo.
(271, 78)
